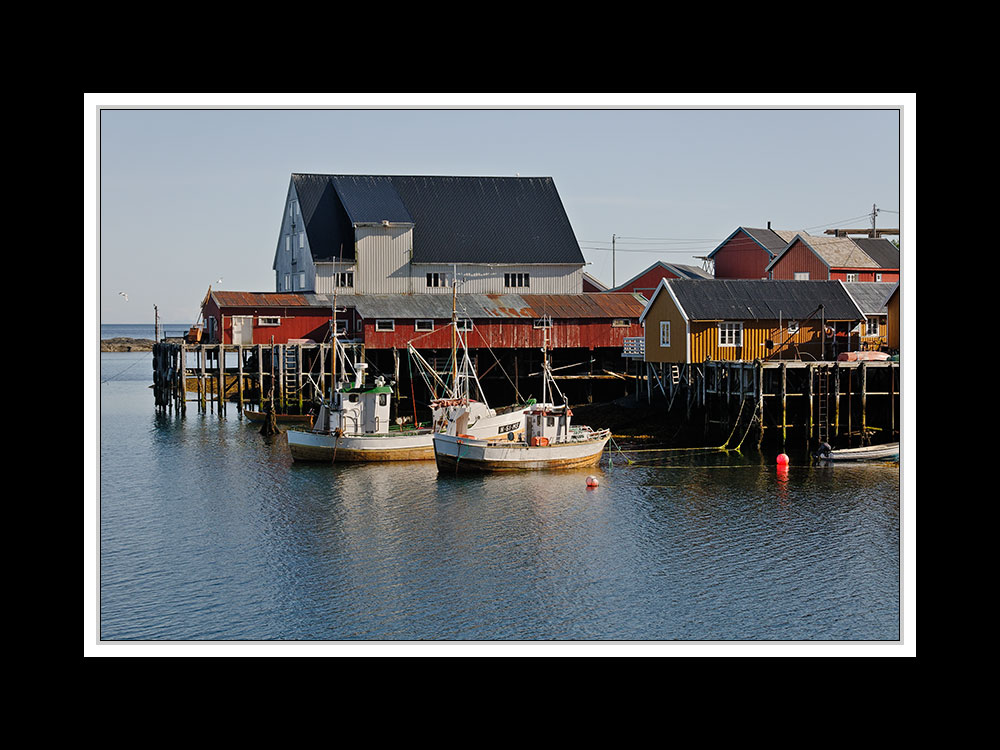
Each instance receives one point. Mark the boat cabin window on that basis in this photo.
(383, 399)
(353, 398)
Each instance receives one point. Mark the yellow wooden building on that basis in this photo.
(892, 306)
(691, 321)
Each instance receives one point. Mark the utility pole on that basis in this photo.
(613, 284)
(874, 214)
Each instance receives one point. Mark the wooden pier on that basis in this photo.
(291, 378)
(288, 378)
(850, 403)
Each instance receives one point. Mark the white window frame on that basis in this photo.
(802, 276)
(665, 329)
(730, 334)
(385, 325)
(870, 329)
(344, 279)
(435, 280)
(288, 243)
(302, 240)
(793, 326)
(621, 323)
(463, 324)
(517, 280)
(268, 320)
(544, 322)
(302, 279)
(288, 282)
(852, 277)
(342, 325)
(423, 325)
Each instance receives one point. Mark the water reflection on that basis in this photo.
(209, 530)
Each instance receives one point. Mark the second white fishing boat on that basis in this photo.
(549, 440)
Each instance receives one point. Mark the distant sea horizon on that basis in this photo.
(142, 330)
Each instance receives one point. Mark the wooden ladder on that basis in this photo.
(822, 407)
(291, 367)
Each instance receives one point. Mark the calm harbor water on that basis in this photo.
(208, 531)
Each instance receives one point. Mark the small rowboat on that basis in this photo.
(886, 452)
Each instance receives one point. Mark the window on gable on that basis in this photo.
(802, 276)
(664, 333)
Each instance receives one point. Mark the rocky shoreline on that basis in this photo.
(122, 344)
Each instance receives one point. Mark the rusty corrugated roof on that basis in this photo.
(438, 306)
(265, 299)
(528, 306)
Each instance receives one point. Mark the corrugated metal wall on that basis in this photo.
(705, 341)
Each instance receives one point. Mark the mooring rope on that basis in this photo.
(119, 374)
(705, 449)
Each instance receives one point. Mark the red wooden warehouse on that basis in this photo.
(747, 252)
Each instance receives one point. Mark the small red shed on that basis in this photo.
(258, 317)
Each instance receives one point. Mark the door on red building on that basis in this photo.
(243, 329)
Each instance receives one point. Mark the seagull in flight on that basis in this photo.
(124, 295)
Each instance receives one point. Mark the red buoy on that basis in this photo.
(782, 459)
(592, 481)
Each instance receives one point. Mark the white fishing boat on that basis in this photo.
(355, 425)
(549, 440)
(885, 452)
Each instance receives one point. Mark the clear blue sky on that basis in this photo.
(183, 197)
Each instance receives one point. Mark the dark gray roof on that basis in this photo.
(455, 219)
(880, 250)
(327, 223)
(871, 296)
(743, 299)
(768, 239)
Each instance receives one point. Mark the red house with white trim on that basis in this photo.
(836, 258)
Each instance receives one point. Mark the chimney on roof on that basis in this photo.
(768, 225)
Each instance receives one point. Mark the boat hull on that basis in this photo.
(888, 452)
(316, 446)
(412, 445)
(455, 454)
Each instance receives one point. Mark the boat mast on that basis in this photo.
(454, 330)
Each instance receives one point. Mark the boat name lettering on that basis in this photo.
(508, 427)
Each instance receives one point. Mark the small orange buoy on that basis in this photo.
(782, 459)
(592, 481)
